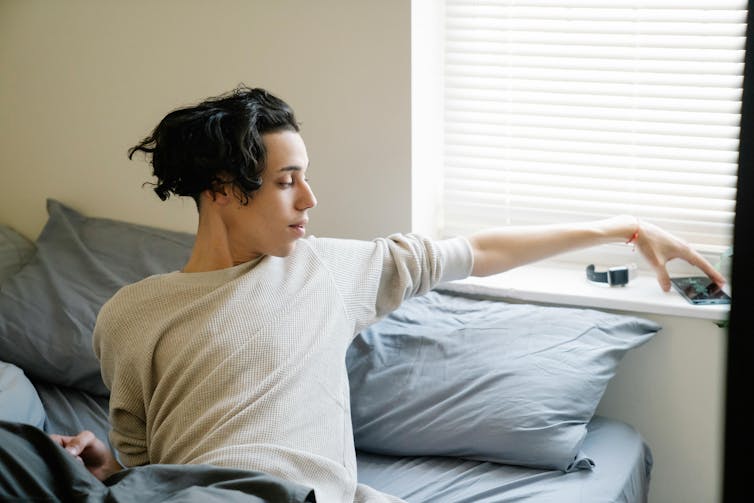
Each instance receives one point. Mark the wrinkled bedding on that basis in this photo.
(623, 463)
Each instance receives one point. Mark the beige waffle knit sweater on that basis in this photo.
(245, 367)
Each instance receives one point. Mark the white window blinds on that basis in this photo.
(559, 111)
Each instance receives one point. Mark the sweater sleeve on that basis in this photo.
(127, 414)
(374, 277)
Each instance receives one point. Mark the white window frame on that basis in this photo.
(427, 139)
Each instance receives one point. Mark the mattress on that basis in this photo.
(623, 462)
(622, 459)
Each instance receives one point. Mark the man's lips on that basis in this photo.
(299, 227)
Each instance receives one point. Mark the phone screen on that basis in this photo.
(700, 290)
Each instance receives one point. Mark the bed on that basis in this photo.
(453, 398)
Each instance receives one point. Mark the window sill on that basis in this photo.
(568, 286)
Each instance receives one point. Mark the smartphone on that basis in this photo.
(700, 290)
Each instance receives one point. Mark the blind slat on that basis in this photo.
(490, 50)
(553, 149)
(490, 135)
(581, 97)
(604, 5)
(491, 14)
(505, 29)
(498, 65)
(490, 122)
(678, 167)
(701, 184)
(645, 117)
(601, 84)
(502, 42)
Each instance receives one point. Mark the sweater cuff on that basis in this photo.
(457, 258)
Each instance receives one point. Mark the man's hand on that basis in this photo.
(658, 247)
(90, 451)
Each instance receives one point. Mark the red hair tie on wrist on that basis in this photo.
(633, 238)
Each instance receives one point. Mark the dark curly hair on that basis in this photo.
(216, 142)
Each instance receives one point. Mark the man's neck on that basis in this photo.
(212, 250)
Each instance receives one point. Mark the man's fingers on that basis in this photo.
(696, 259)
(61, 440)
(710, 271)
(663, 278)
(78, 443)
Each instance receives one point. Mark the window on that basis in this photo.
(555, 111)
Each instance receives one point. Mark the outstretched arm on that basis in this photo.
(497, 250)
(91, 451)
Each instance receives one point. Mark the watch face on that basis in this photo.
(614, 276)
(617, 276)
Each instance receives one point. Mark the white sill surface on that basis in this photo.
(568, 286)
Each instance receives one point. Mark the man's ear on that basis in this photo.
(219, 195)
(222, 188)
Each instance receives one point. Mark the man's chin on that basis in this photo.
(284, 252)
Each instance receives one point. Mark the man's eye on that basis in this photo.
(286, 183)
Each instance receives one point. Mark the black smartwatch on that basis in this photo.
(614, 276)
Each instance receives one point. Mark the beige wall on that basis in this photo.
(81, 81)
(84, 80)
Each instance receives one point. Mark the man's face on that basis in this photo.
(276, 214)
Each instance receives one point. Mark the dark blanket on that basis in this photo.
(33, 467)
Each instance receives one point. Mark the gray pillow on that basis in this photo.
(509, 383)
(49, 307)
(15, 251)
(19, 401)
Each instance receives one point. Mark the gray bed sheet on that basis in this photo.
(623, 463)
(70, 411)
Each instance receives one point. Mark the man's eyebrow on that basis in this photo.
(291, 168)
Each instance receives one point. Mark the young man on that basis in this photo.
(238, 360)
